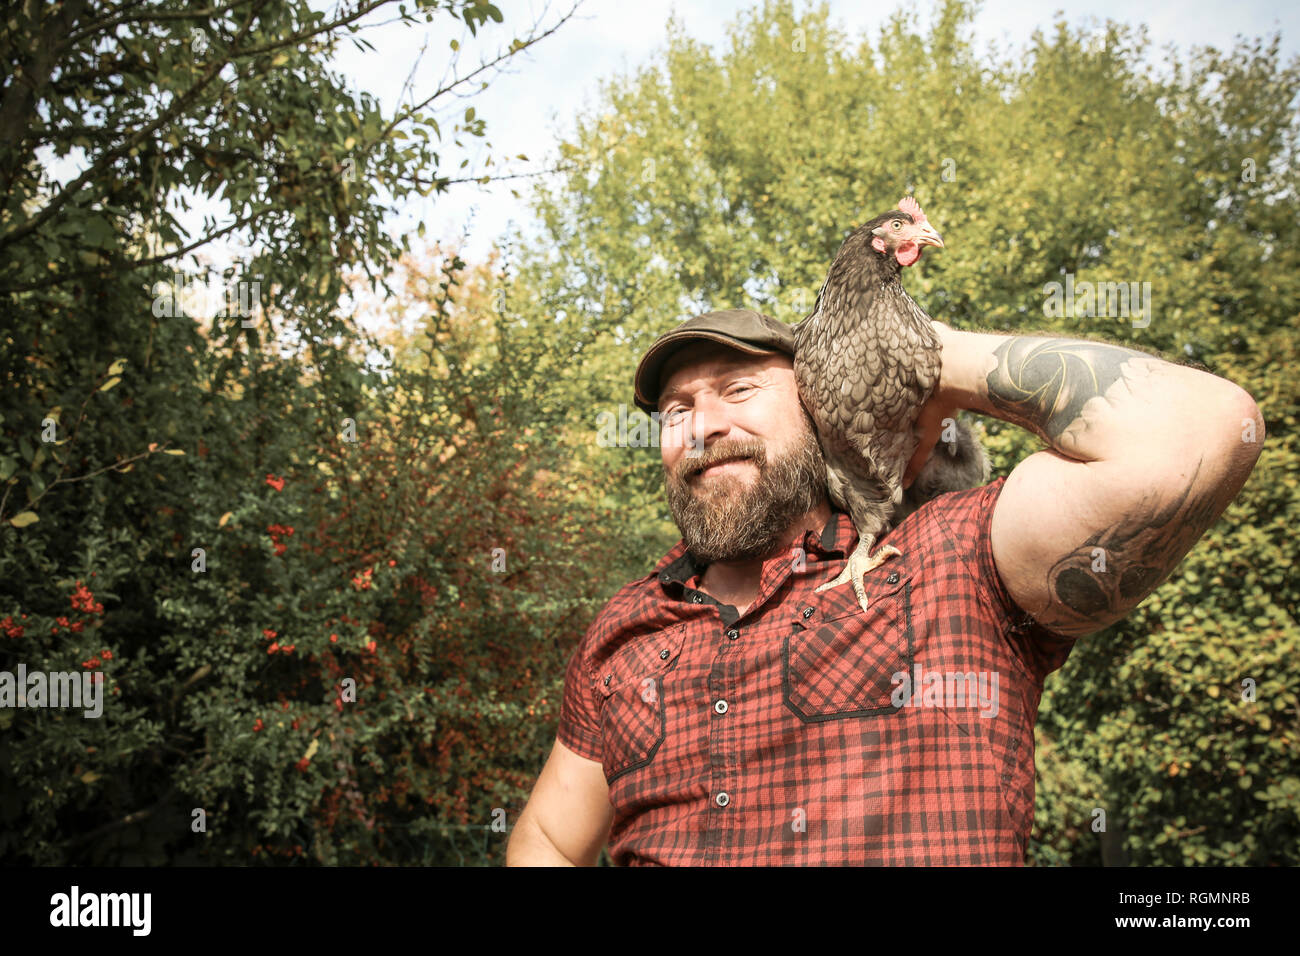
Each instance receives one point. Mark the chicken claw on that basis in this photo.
(859, 564)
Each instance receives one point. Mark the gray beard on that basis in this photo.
(722, 520)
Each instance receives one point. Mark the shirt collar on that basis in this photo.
(836, 539)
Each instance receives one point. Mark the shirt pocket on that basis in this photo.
(630, 689)
(847, 665)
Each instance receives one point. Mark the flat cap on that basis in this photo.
(743, 329)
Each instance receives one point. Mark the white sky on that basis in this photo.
(526, 109)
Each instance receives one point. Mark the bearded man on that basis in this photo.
(723, 711)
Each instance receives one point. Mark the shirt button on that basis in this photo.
(733, 633)
(893, 578)
(607, 679)
(722, 799)
(696, 599)
(663, 655)
(720, 707)
(807, 612)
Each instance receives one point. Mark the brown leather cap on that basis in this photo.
(743, 329)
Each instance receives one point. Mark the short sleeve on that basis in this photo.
(579, 720)
(1041, 649)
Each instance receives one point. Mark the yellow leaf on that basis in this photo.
(173, 451)
(1213, 690)
(109, 384)
(280, 59)
(117, 367)
(311, 749)
(89, 777)
(23, 519)
(1173, 770)
(224, 518)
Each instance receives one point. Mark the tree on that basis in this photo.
(183, 510)
(728, 178)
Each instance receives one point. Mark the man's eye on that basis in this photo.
(741, 388)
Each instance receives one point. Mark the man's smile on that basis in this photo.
(730, 466)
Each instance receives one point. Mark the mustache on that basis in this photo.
(732, 451)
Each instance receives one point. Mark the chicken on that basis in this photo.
(866, 359)
(952, 466)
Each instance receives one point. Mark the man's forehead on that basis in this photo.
(711, 358)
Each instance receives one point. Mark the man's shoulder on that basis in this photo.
(957, 521)
(636, 607)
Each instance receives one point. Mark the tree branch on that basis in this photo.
(20, 99)
(64, 196)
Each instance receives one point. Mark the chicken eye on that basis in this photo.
(898, 224)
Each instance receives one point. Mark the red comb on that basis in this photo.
(913, 208)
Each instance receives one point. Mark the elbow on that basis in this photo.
(1247, 422)
(1242, 436)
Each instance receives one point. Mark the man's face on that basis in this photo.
(741, 460)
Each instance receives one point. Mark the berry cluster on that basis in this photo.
(84, 600)
(276, 646)
(276, 530)
(94, 662)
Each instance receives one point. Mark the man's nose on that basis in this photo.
(709, 422)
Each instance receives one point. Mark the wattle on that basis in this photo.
(908, 252)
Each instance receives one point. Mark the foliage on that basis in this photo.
(428, 515)
(727, 178)
(231, 516)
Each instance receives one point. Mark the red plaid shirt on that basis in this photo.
(774, 737)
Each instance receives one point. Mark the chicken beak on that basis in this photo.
(926, 236)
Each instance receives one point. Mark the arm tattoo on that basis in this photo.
(1110, 573)
(1043, 383)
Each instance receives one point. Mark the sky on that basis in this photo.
(534, 104)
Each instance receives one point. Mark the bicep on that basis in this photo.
(570, 805)
(1080, 544)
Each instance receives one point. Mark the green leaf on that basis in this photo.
(98, 232)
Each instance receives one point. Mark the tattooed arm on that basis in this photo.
(1145, 455)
